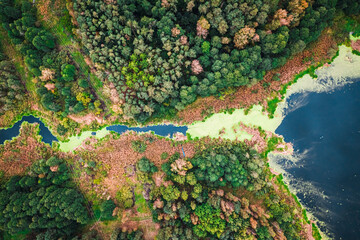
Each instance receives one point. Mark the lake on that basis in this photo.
(325, 172)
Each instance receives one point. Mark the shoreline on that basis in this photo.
(338, 74)
(252, 117)
(179, 120)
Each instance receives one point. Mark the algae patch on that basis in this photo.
(340, 72)
(76, 141)
(226, 122)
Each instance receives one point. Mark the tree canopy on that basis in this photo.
(162, 54)
(43, 199)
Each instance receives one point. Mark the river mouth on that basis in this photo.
(319, 116)
(321, 120)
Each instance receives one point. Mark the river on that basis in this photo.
(74, 141)
(320, 117)
(9, 133)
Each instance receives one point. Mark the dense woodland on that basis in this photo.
(211, 196)
(60, 86)
(12, 89)
(45, 200)
(225, 191)
(161, 55)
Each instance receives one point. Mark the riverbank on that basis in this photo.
(330, 77)
(21, 151)
(244, 97)
(104, 169)
(244, 125)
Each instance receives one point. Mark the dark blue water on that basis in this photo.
(328, 129)
(162, 130)
(8, 134)
(47, 137)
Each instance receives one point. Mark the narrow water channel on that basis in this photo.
(48, 137)
(9, 133)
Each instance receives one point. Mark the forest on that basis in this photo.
(60, 86)
(12, 89)
(44, 201)
(158, 56)
(207, 197)
(224, 190)
(162, 55)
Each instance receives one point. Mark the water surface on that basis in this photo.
(9, 133)
(325, 132)
(48, 137)
(161, 130)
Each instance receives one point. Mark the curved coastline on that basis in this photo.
(340, 72)
(330, 77)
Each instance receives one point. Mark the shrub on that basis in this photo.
(61, 130)
(124, 197)
(68, 72)
(138, 146)
(106, 209)
(144, 165)
(164, 155)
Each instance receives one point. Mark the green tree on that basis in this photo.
(83, 83)
(106, 209)
(44, 41)
(145, 165)
(68, 72)
(210, 221)
(42, 200)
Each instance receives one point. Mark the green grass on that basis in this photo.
(272, 105)
(61, 35)
(96, 82)
(356, 52)
(280, 180)
(79, 59)
(271, 145)
(304, 215)
(140, 202)
(315, 232)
